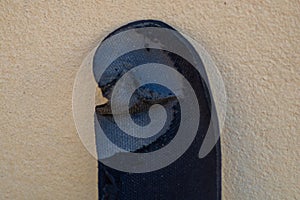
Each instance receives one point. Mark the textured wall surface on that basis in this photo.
(255, 45)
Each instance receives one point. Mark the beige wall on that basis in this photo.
(255, 46)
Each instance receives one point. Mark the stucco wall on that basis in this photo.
(255, 45)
